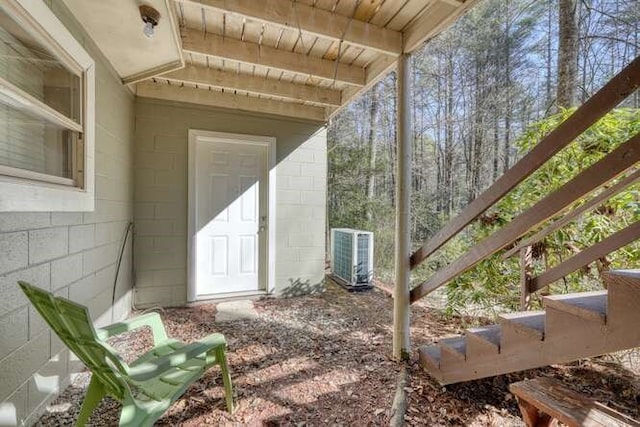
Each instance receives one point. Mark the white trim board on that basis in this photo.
(270, 143)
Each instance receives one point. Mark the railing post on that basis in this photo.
(401, 310)
(526, 271)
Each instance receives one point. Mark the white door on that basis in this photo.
(230, 216)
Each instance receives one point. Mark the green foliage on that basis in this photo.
(475, 88)
(349, 202)
(494, 282)
(350, 206)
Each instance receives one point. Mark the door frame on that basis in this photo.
(269, 261)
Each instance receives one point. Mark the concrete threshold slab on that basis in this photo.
(230, 311)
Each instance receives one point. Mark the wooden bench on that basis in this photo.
(544, 401)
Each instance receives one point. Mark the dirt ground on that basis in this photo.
(324, 360)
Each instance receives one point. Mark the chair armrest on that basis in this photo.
(152, 320)
(153, 368)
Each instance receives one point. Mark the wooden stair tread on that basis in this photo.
(633, 273)
(430, 358)
(589, 305)
(567, 406)
(531, 322)
(490, 333)
(456, 346)
(531, 339)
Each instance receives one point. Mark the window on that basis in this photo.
(46, 112)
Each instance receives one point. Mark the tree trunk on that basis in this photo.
(438, 150)
(371, 179)
(507, 73)
(448, 141)
(549, 101)
(475, 147)
(567, 53)
(496, 146)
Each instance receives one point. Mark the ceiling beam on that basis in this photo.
(255, 84)
(375, 72)
(319, 22)
(229, 101)
(433, 20)
(216, 46)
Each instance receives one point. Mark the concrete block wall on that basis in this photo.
(300, 218)
(73, 254)
(161, 196)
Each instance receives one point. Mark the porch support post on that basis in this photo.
(401, 311)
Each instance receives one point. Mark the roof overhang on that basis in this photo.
(293, 58)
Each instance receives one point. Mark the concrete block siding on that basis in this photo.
(72, 254)
(141, 176)
(301, 218)
(161, 193)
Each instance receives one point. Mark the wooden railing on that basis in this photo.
(575, 213)
(530, 284)
(615, 164)
(615, 241)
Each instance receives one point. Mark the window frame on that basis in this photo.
(22, 190)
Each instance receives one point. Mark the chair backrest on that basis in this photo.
(72, 323)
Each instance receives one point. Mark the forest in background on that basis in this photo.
(482, 91)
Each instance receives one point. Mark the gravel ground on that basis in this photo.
(323, 360)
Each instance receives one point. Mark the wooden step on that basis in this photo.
(570, 337)
(529, 323)
(628, 274)
(587, 305)
(624, 315)
(575, 326)
(521, 341)
(448, 368)
(572, 327)
(429, 356)
(452, 349)
(483, 341)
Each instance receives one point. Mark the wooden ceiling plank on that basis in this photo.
(435, 19)
(386, 12)
(376, 71)
(454, 3)
(251, 53)
(407, 13)
(367, 9)
(192, 16)
(270, 36)
(230, 101)
(312, 20)
(344, 7)
(252, 31)
(211, 77)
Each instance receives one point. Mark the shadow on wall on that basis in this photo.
(161, 147)
(45, 384)
(56, 371)
(171, 122)
(299, 287)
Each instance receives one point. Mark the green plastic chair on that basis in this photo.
(147, 387)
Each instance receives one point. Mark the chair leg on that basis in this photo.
(226, 377)
(95, 393)
(134, 416)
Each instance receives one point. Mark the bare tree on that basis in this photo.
(371, 179)
(567, 53)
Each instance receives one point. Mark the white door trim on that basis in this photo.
(270, 260)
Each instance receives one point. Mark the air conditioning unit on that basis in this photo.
(352, 258)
